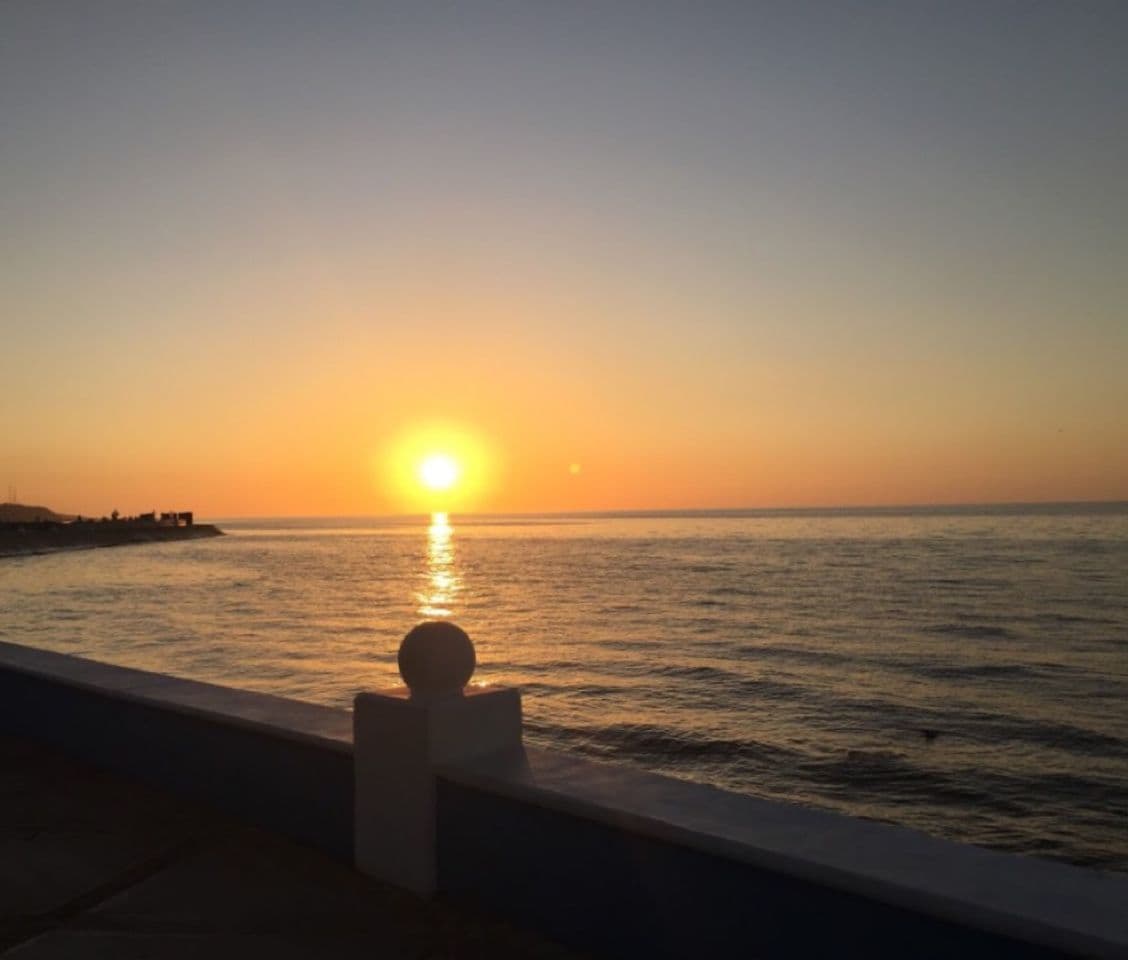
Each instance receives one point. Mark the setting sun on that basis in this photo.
(439, 472)
(435, 466)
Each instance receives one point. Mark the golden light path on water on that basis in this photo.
(442, 582)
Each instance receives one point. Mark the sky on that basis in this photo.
(258, 258)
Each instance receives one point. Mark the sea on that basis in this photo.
(962, 671)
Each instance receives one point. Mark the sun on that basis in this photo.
(439, 471)
(435, 466)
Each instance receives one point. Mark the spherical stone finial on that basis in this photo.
(436, 659)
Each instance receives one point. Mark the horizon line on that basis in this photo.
(643, 512)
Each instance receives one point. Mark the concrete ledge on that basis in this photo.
(556, 817)
(279, 763)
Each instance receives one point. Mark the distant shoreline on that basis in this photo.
(29, 539)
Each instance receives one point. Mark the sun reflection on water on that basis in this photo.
(442, 582)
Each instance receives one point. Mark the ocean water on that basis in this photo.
(960, 671)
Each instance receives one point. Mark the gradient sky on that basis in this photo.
(716, 254)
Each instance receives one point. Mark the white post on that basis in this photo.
(401, 736)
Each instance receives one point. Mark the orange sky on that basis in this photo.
(714, 262)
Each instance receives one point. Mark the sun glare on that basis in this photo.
(435, 466)
(438, 472)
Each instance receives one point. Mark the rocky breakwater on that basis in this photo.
(46, 536)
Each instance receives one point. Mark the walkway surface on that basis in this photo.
(96, 866)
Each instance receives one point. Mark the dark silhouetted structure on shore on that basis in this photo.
(35, 535)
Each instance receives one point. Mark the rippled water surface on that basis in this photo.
(962, 672)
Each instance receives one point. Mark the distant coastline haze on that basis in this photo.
(284, 259)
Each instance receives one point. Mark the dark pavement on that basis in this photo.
(93, 865)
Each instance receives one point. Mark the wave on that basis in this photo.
(1071, 618)
(942, 671)
(646, 742)
(973, 631)
(888, 777)
(1061, 736)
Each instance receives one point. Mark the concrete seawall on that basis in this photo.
(597, 854)
(279, 763)
(608, 859)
